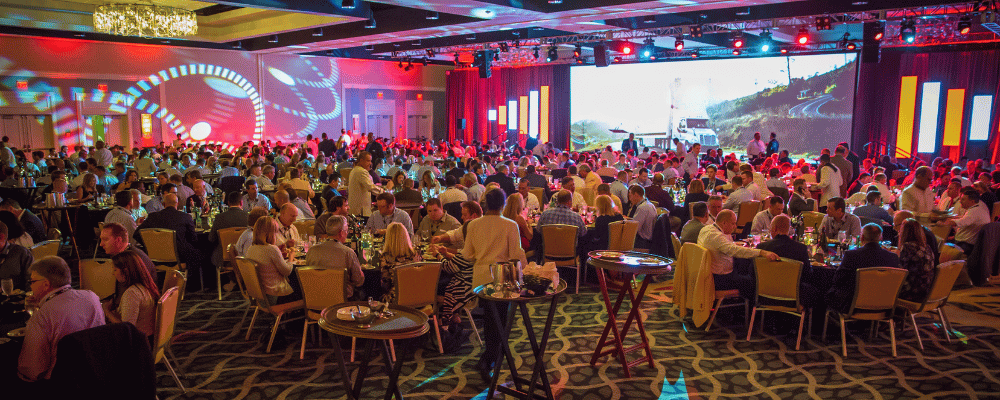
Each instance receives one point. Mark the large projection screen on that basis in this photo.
(807, 101)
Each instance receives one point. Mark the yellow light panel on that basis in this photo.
(543, 124)
(954, 111)
(523, 127)
(907, 114)
(502, 115)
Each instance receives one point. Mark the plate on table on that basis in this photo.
(344, 314)
(19, 332)
(609, 254)
(648, 260)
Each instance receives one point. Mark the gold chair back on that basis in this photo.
(748, 210)
(166, 316)
(249, 273)
(588, 195)
(778, 280)
(877, 288)
(540, 194)
(229, 236)
(556, 240)
(304, 195)
(96, 276)
(694, 256)
(621, 235)
(676, 242)
(165, 248)
(45, 249)
(944, 280)
(305, 227)
(941, 231)
(950, 252)
(174, 279)
(345, 176)
(321, 288)
(812, 219)
(421, 283)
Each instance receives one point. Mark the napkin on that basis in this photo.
(547, 271)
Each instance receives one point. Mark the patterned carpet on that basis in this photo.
(689, 363)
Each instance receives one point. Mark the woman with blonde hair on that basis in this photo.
(597, 238)
(397, 250)
(429, 185)
(275, 271)
(514, 212)
(88, 189)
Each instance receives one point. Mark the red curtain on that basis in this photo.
(471, 97)
(977, 70)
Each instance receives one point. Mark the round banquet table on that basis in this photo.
(405, 323)
(634, 263)
(537, 347)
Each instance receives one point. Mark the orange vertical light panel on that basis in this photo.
(543, 122)
(502, 115)
(523, 126)
(954, 111)
(907, 114)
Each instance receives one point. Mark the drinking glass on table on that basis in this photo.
(7, 285)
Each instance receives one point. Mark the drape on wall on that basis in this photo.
(977, 70)
(471, 97)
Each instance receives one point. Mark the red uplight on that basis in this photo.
(420, 96)
(102, 87)
(878, 36)
(22, 85)
(738, 43)
(803, 40)
(379, 95)
(803, 36)
(784, 51)
(679, 46)
(965, 30)
(627, 50)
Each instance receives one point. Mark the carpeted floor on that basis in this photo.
(689, 363)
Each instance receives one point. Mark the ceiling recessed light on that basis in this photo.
(433, 15)
(318, 32)
(555, 1)
(484, 13)
(348, 4)
(297, 46)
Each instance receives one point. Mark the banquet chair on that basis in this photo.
(231, 183)
(748, 210)
(345, 176)
(540, 194)
(96, 276)
(778, 290)
(321, 288)
(723, 295)
(588, 194)
(812, 219)
(250, 273)
(166, 318)
(227, 236)
(420, 291)
(559, 244)
(941, 231)
(97, 233)
(621, 235)
(937, 298)
(875, 293)
(164, 254)
(558, 173)
(304, 195)
(454, 209)
(949, 252)
(304, 227)
(44, 249)
(694, 287)
(676, 241)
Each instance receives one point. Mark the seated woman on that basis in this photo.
(597, 238)
(88, 189)
(514, 212)
(137, 304)
(695, 193)
(130, 176)
(429, 185)
(275, 271)
(15, 230)
(396, 183)
(915, 256)
(397, 250)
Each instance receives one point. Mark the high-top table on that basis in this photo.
(537, 347)
(406, 323)
(625, 262)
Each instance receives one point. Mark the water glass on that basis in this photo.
(7, 285)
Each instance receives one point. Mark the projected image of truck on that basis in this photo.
(806, 100)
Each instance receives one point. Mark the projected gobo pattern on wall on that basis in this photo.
(307, 118)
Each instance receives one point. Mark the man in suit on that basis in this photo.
(501, 178)
(656, 193)
(870, 254)
(234, 216)
(786, 247)
(183, 226)
(534, 179)
(630, 144)
(326, 146)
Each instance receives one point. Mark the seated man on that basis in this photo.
(334, 254)
(873, 208)
(643, 212)
(456, 237)
(738, 194)
(453, 193)
(15, 262)
(62, 310)
(437, 221)
(967, 226)
(569, 185)
(122, 212)
(288, 234)
(114, 240)
(387, 214)
(156, 203)
(305, 211)
(531, 202)
(870, 254)
(718, 239)
(786, 247)
(336, 206)
(762, 221)
(837, 219)
(254, 198)
(714, 207)
(699, 219)
(33, 225)
(656, 193)
(560, 213)
(246, 239)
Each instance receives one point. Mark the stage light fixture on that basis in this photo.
(617, 59)
(964, 25)
(784, 50)
(456, 59)
(879, 34)
(908, 30)
(433, 15)
(579, 60)
(370, 23)
(348, 4)
(577, 51)
(496, 56)
(737, 52)
(535, 52)
(695, 54)
(273, 39)
(400, 63)
(409, 66)
(370, 47)
(851, 46)
(766, 40)
(679, 43)
(648, 48)
(425, 62)
(504, 47)
(803, 37)
(553, 54)
(649, 19)
(627, 49)
(824, 23)
(555, 1)
(430, 52)
(738, 40)
(696, 31)
(318, 32)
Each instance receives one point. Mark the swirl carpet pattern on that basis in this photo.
(216, 362)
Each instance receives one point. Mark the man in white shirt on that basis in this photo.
(643, 212)
(690, 164)
(453, 193)
(288, 234)
(606, 169)
(531, 202)
(473, 188)
(619, 188)
(830, 181)
(569, 185)
(361, 186)
(762, 221)
(739, 194)
(951, 199)
(718, 239)
(967, 227)
(879, 181)
(387, 214)
(102, 155)
(298, 183)
(756, 147)
(918, 198)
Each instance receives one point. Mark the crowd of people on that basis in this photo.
(482, 203)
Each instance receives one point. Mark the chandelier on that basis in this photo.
(146, 20)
